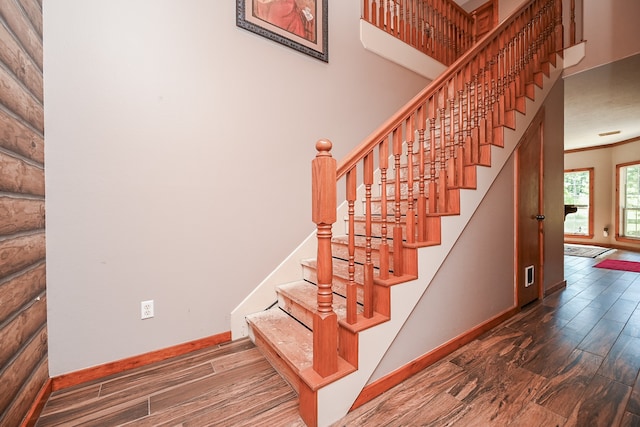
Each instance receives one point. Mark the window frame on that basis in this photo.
(590, 232)
(618, 236)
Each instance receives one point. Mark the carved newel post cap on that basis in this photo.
(324, 147)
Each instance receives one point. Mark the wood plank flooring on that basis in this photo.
(570, 360)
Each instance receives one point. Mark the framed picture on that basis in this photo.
(298, 24)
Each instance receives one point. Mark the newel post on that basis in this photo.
(325, 321)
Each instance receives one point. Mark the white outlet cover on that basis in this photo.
(146, 309)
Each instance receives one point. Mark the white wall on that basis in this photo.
(604, 161)
(178, 162)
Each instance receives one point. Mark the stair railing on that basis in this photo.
(444, 133)
(438, 28)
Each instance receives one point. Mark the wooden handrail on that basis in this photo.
(438, 28)
(424, 154)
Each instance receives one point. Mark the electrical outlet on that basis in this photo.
(146, 309)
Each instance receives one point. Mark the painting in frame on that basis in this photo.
(298, 24)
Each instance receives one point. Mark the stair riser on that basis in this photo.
(300, 312)
(303, 311)
(376, 228)
(404, 189)
(342, 251)
(339, 283)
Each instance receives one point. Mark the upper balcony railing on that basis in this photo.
(438, 28)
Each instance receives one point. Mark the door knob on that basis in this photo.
(540, 217)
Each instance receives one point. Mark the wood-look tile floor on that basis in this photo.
(571, 360)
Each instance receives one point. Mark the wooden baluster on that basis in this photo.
(463, 84)
(325, 321)
(467, 144)
(483, 134)
(530, 90)
(454, 32)
(394, 18)
(426, 26)
(418, 24)
(397, 230)
(402, 19)
(511, 59)
(427, 17)
(572, 24)
(559, 31)
(368, 264)
(459, 30)
(383, 153)
(537, 51)
(442, 149)
(519, 52)
(365, 11)
(410, 215)
(454, 129)
(412, 24)
(436, 39)
(433, 115)
(447, 34)
(417, 21)
(494, 107)
(499, 77)
(413, 19)
(388, 19)
(381, 21)
(422, 197)
(550, 45)
(451, 33)
(444, 41)
(352, 288)
(374, 13)
(519, 80)
(474, 113)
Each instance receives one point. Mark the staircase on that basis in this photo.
(410, 188)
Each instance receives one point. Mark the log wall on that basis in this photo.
(23, 313)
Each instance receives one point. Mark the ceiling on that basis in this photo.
(601, 100)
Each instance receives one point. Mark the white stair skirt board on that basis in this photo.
(574, 54)
(335, 399)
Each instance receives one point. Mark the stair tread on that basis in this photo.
(292, 340)
(305, 294)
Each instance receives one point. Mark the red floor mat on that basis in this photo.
(617, 264)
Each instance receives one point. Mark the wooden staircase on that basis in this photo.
(414, 170)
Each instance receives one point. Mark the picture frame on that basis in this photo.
(298, 24)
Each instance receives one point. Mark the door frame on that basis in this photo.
(536, 123)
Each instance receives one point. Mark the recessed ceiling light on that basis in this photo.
(614, 132)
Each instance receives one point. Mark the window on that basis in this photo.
(628, 195)
(578, 191)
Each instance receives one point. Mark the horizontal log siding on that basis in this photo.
(23, 312)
